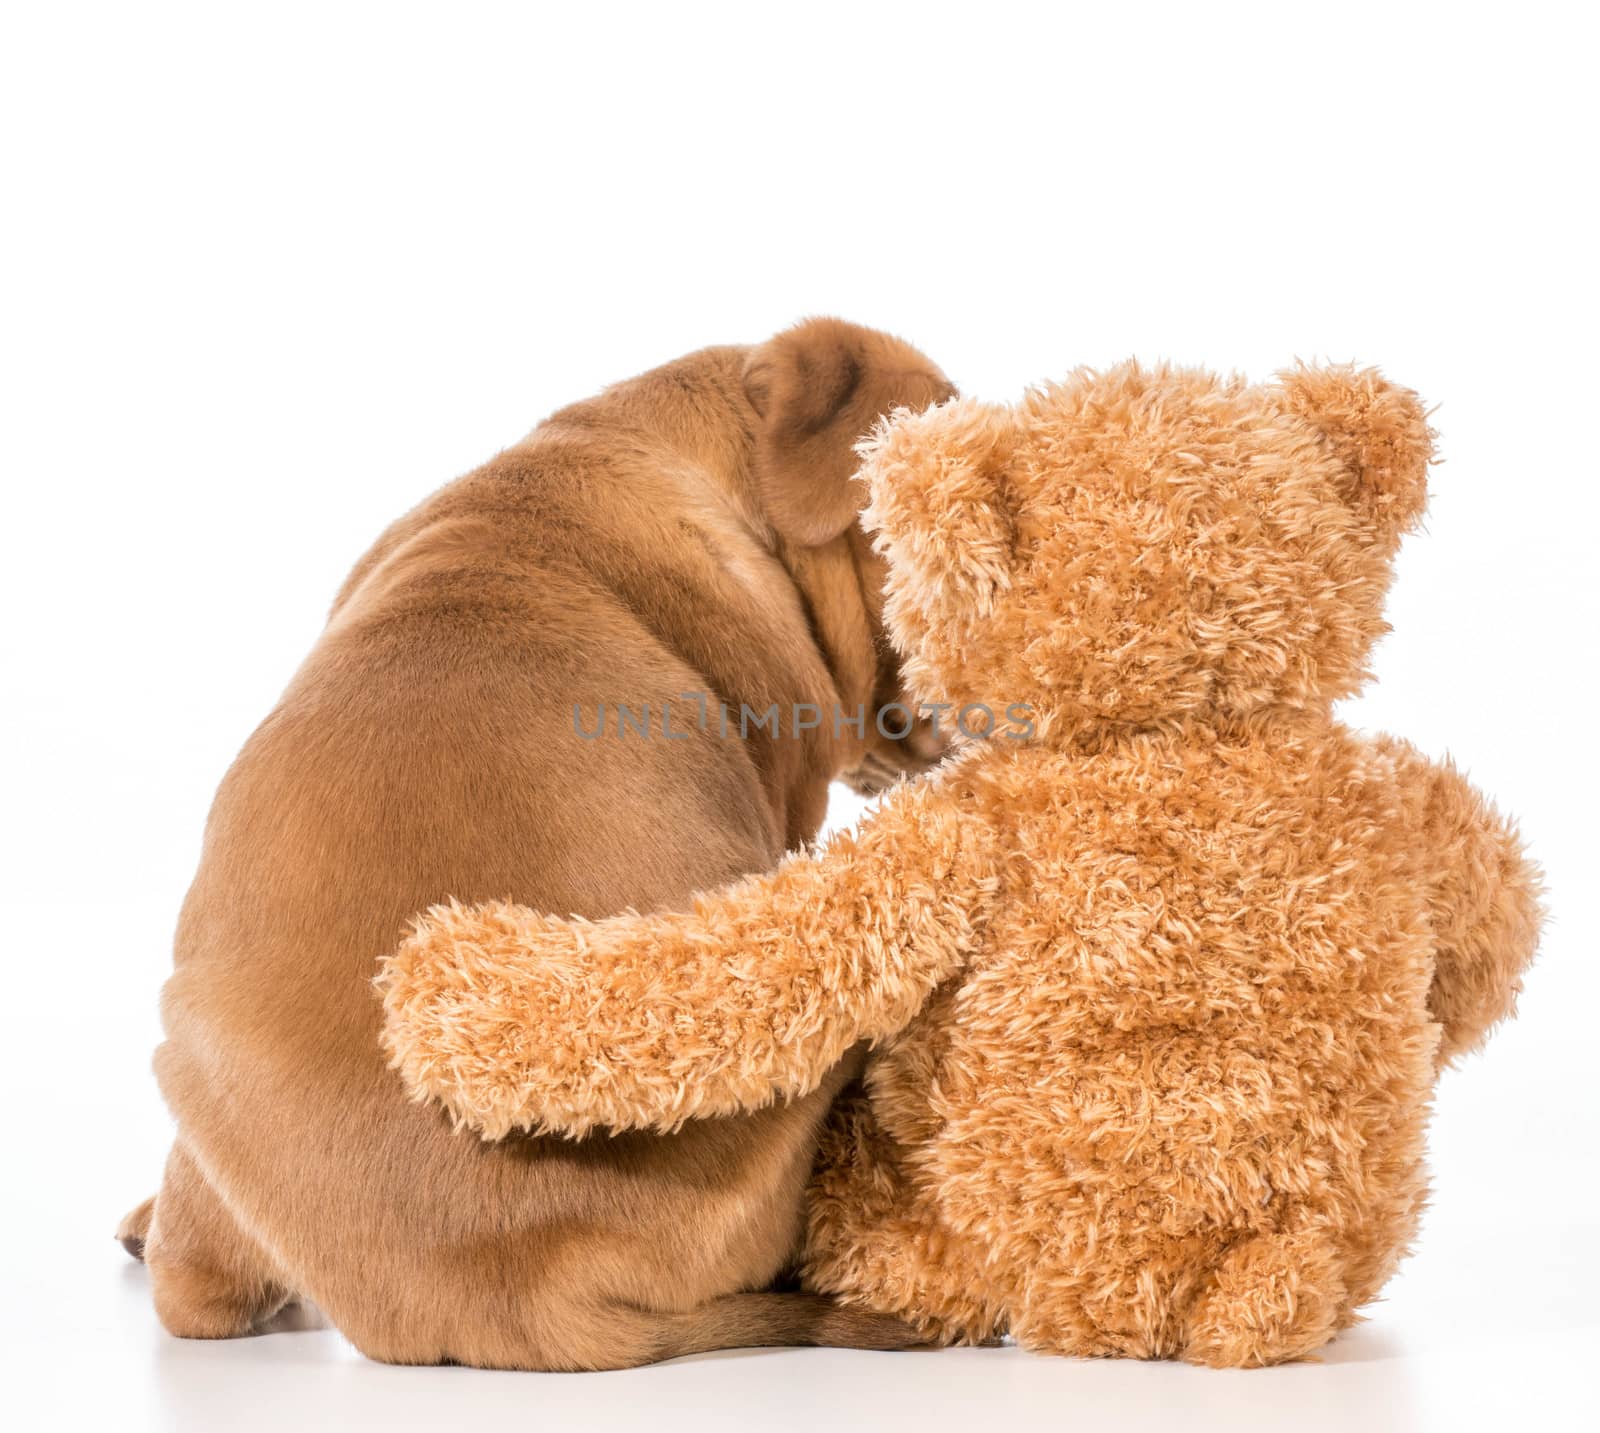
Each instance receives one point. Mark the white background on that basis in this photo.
(271, 276)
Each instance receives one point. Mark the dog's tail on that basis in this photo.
(619, 1336)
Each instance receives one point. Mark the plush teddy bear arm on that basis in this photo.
(517, 1020)
(1484, 893)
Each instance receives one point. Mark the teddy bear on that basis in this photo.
(1157, 990)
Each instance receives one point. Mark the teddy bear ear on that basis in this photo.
(938, 503)
(1380, 433)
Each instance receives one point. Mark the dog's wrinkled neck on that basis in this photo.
(828, 580)
(694, 421)
(711, 429)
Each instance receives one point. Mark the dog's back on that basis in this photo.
(626, 553)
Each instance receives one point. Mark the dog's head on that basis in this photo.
(817, 390)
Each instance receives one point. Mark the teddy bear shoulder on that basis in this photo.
(1168, 876)
(1208, 789)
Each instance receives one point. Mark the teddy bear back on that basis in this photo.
(1147, 544)
(1164, 1090)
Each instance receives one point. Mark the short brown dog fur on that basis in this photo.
(1162, 992)
(693, 530)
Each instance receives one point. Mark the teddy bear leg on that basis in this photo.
(1273, 1298)
(207, 1277)
(873, 1240)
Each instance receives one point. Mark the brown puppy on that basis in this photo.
(690, 531)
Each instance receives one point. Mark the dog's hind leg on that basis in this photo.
(208, 1277)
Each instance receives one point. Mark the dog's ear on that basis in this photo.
(817, 389)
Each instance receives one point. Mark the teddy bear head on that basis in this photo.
(1147, 544)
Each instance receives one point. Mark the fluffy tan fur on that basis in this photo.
(1159, 996)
